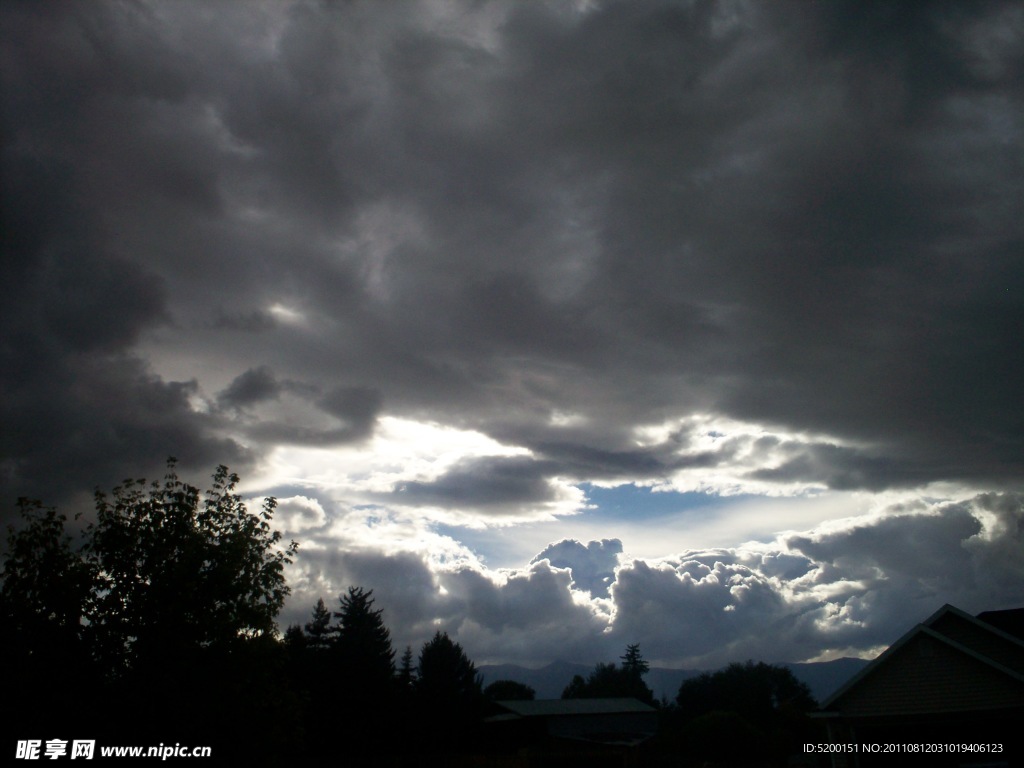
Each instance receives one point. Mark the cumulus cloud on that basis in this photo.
(299, 513)
(843, 588)
(523, 615)
(591, 565)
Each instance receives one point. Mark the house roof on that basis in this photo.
(566, 707)
(1009, 621)
(952, 661)
(620, 723)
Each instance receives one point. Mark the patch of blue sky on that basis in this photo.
(637, 502)
(628, 512)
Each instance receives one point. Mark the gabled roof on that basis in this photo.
(969, 647)
(1009, 621)
(618, 723)
(563, 707)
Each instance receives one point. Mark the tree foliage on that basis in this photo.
(446, 675)
(295, 639)
(750, 709)
(164, 611)
(319, 632)
(406, 671)
(362, 639)
(755, 691)
(607, 681)
(176, 569)
(44, 594)
(46, 584)
(509, 690)
(633, 662)
(448, 695)
(160, 566)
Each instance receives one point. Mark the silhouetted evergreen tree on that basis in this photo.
(449, 695)
(318, 629)
(294, 639)
(406, 671)
(360, 670)
(445, 673)
(633, 662)
(362, 639)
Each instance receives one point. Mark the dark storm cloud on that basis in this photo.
(841, 468)
(255, 321)
(355, 408)
(491, 481)
(359, 406)
(78, 409)
(588, 461)
(253, 386)
(800, 216)
(522, 480)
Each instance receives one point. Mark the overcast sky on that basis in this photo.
(560, 325)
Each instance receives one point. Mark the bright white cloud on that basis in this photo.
(838, 588)
(296, 514)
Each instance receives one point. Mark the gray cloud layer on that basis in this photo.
(800, 216)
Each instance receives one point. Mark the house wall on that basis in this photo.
(583, 726)
(927, 676)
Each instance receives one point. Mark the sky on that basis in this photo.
(558, 325)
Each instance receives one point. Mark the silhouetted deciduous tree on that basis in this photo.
(749, 709)
(755, 691)
(44, 594)
(46, 584)
(171, 600)
(177, 571)
(509, 690)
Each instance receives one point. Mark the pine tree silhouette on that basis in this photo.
(633, 662)
(362, 639)
(318, 629)
(406, 672)
(449, 696)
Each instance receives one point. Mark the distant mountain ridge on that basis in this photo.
(823, 678)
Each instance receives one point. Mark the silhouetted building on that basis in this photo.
(592, 732)
(954, 679)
